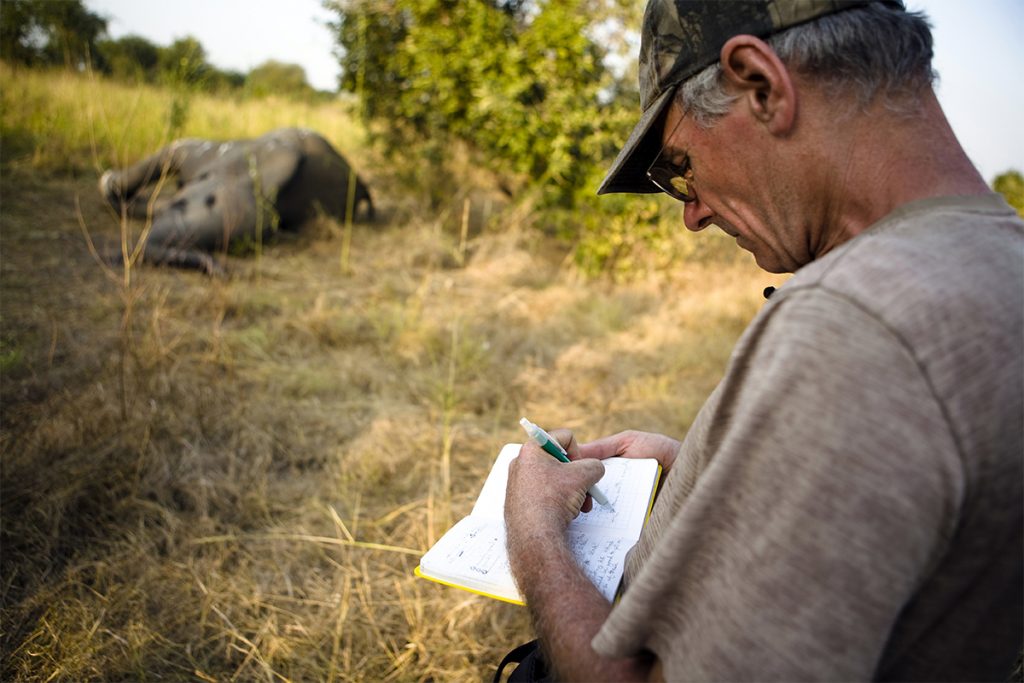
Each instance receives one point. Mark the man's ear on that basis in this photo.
(763, 82)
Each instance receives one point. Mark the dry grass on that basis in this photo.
(232, 479)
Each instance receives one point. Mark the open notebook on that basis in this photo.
(471, 555)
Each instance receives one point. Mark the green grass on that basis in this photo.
(230, 479)
(58, 120)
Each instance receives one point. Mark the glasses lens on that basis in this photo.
(680, 185)
(671, 180)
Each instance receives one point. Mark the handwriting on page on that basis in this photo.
(481, 551)
(608, 515)
(602, 560)
(621, 514)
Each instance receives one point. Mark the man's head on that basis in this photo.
(703, 63)
(861, 46)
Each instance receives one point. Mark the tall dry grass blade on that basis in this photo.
(138, 249)
(368, 605)
(106, 269)
(447, 426)
(307, 538)
(398, 512)
(464, 232)
(344, 600)
(253, 651)
(355, 512)
(346, 236)
(340, 524)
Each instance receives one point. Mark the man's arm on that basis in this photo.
(543, 496)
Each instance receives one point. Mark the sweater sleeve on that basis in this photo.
(829, 483)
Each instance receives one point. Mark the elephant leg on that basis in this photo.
(363, 195)
(189, 259)
(121, 186)
(171, 243)
(147, 204)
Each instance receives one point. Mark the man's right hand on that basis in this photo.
(632, 444)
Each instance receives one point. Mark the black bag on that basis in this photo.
(531, 665)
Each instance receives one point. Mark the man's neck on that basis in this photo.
(881, 160)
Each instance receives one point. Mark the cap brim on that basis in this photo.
(629, 170)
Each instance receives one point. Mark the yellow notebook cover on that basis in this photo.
(471, 555)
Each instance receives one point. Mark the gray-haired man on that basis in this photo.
(848, 503)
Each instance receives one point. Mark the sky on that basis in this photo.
(978, 54)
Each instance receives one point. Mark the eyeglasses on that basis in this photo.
(675, 180)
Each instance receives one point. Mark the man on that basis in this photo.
(848, 503)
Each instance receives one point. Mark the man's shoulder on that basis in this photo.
(941, 290)
(961, 256)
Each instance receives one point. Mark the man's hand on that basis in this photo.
(543, 494)
(630, 444)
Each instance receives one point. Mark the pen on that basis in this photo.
(552, 447)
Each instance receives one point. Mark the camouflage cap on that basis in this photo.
(679, 39)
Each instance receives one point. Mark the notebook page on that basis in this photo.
(628, 483)
(491, 501)
(472, 554)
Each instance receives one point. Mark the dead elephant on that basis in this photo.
(230, 192)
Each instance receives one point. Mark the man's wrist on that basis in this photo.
(530, 548)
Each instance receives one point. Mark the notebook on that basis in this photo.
(471, 555)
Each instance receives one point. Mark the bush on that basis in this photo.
(523, 83)
(1011, 186)
(277, 78)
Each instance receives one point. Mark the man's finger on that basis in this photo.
(567, 439)
(605, 447)
(593, 470)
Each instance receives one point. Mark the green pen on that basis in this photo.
(552, 447)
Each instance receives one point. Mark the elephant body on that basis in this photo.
(233, 191)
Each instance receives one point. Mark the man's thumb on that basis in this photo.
(593, 470)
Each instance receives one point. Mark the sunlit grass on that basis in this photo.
(56, 119)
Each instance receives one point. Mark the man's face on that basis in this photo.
(740, 186)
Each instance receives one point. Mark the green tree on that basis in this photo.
(522, 82)
(278, 78)
(130, 58)
(49, 32)
(183, 68)
(527, 85)
(1011, 185)
(183, 63)
(20, 35)
(225, 80)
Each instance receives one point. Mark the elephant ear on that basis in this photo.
(276, 164)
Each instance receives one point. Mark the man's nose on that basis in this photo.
(696, 215)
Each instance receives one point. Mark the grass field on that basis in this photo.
(233, 478)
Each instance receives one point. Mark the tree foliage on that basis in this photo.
(1011, 185)
(524, 83)
(46, 32)
(277, 78)
(183, 62)
(63, 33)
(130, 58)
